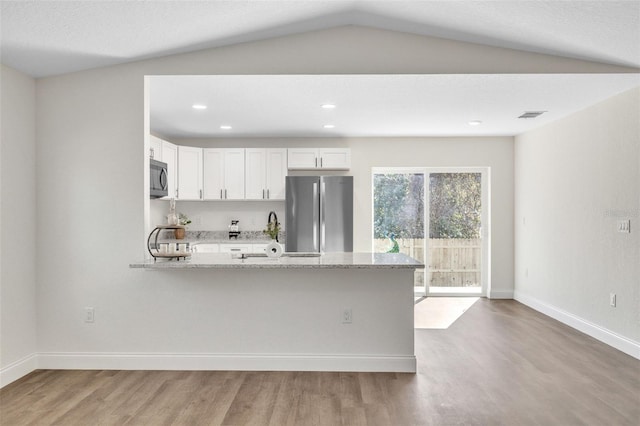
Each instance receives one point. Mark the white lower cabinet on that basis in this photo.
(230, 248)
(261, 248)
(206, 248)
(235, 248)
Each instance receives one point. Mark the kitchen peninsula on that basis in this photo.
(333, 312)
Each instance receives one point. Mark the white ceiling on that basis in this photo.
(44, 38)
(371, 105)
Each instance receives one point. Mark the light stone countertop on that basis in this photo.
(325, 261)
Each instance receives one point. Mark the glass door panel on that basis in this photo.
(455, 233)
(399, 218)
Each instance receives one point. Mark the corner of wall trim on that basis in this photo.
(621, 343)
(18, 369)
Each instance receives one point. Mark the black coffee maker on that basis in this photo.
(234, 229)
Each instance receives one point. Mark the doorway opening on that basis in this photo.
(438, 216)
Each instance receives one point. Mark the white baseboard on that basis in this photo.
(628, 346)
(18, 369)
(244, 362)
(501, 294)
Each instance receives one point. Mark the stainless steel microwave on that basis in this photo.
(159, 184)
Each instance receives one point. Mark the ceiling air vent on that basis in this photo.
(532, 114)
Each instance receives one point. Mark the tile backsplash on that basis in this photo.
(217, 215)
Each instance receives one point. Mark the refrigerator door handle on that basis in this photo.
(316, 219)
(322, 216)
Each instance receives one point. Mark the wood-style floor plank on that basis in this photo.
(501, 363)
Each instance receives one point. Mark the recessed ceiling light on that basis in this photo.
(329, 126)
(199, 106)
(328, 106)
(474, 123)
(225, 127)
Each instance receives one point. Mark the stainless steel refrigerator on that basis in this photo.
(319, 214)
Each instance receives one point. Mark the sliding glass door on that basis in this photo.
(439, 217)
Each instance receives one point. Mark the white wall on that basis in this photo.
(575, 179)
(90, 190)
(17, 226)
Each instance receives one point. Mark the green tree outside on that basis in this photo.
(455, 205)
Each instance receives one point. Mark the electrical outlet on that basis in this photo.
(612, 299)
(89, 314)
(347, 316)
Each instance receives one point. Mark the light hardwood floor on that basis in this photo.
(501, 363)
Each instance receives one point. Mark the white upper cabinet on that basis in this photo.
(234, 173)
(265, 171)
(224, 174)
(213, 185)
(319, 158)
(170, 156)
(335, 158)
(276, 173)
(189, 173)
(155, 148)
(302, 158)
(255, 172)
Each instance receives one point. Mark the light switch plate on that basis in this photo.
(624, 226)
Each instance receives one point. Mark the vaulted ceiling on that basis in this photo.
(44, 38)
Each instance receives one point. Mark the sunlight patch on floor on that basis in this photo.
(440, 312)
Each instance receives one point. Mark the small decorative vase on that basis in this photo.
(172, 217)
(274, 249)
(179, 233)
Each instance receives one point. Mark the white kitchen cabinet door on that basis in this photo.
(255, 172)
(276, 172)
(335, 158)
(319, 158)
(223, 173)
(189, 173)
(170, 156)
(235, 248)
(205, 248)
(302, 158)
(155, 148)
(234, 174)
(265, 171)
(213, 185)
(262, 248)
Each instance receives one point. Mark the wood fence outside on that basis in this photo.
(451, 262)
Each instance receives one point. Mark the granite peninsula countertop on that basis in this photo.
(288, 261)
